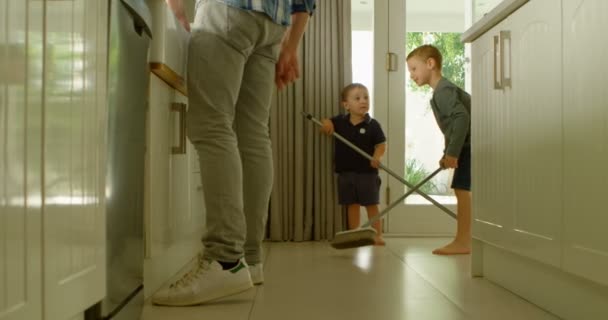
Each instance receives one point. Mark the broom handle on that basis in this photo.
(396, 176)
(398, 201)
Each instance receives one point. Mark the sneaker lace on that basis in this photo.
(188, 277)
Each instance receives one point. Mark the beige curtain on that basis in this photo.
(304, 203)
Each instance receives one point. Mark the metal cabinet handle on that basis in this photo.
(181, 109)
(505, 58)
(497, 78)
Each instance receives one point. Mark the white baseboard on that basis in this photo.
(563, 294)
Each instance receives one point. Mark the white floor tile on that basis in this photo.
(478, 298)
(400, 281)
(235, 307)
(314, 281)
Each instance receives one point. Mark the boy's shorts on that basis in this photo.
(462, 174)
(359, 188)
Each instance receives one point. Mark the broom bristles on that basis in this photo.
(354, 238)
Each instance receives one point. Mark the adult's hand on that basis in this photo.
(287, 69)
(177, 6)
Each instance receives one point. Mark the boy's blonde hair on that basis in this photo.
(426, 52)
(349, 88)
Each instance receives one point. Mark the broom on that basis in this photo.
(366, 235)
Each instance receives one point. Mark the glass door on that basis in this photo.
(415, 142)
(369, 46)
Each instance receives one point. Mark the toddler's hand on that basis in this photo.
(328, 126)
(375, 163)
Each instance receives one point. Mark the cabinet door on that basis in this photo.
(75, 112)
(586, 139)
(491, 143)
(172, 230)
(168, 172)
(535, 108)
(158, 171)
(20, 159)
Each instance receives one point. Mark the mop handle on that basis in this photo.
(367, 156)
(398, 201)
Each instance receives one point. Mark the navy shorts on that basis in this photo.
(359, 188)
(462, 174)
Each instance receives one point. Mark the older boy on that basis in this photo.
(452, 109)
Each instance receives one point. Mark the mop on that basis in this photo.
(365, 235)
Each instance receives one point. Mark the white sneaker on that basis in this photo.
(208, 281)
(257, 273)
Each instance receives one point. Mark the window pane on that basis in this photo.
(363, 46)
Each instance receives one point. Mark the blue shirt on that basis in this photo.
(278, 10)
(365, 135)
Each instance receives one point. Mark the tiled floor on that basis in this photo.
(401, 281)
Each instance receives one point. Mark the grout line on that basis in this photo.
(255, 296)
(267, 249)
(402, 259)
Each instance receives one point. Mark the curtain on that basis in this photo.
(304, 204)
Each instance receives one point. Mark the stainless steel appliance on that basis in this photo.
(128, 78)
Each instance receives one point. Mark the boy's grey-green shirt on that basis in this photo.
(452, 108)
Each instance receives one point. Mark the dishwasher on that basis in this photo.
(128, 79)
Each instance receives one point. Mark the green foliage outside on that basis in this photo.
(415, 172)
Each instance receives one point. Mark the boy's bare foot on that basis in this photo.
(453, 248)
(379, 242)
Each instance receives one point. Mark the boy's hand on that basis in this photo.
(449, 162)
(328, 126)
(375, 163)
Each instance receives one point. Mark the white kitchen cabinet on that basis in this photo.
(74, 130)
(173, 230)
(535, 110)
(174, 210)
(517, 116)
(20, 159)
(491, 140)
(586, 139)
(482, 7)
(52, 128)
(539, 145)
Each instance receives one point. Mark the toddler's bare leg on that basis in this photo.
(354, 216)
(372, 211)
